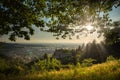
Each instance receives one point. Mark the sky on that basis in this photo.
(45, 37)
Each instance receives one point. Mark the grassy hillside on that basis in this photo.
(109, 70)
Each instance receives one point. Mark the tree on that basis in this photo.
(18, 16)
(112, 36)
(77, 57)
(79, 13)
(112, 39)
(46, 56)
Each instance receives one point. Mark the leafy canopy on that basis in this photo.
(18, 17)
(112, 36)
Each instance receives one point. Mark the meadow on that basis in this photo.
(109, 70)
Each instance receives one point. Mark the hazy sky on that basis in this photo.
(44, 37)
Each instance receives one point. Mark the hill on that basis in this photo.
(109, 70)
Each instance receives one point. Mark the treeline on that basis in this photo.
(97, 51)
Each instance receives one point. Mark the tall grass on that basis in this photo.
(106, 71)
(109, 70)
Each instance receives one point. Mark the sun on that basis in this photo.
(89, 27)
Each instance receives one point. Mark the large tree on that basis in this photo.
(112, 36)
(18, 16)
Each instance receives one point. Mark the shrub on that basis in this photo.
(46, 65)
(110, 58)
(3, 65)
(88, 62)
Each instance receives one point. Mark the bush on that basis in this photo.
(3, 65)
(46, 65)
(88, 62)
(11, 67)
(110, 58)
(78, 65)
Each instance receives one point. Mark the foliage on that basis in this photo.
(46, 56)
(88, 62)
(3, 65)
(105, 71)
(97, 51)
(110, 70)
(78, 65)
(67, 60)
(77, 57)
(112, 39)
(80, 13)
(8, 67)
(110, 58)
(18, 17)
(46, 65)
(113, 36)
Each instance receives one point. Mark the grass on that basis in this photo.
(106, 71)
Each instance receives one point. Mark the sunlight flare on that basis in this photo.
(89, 27)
